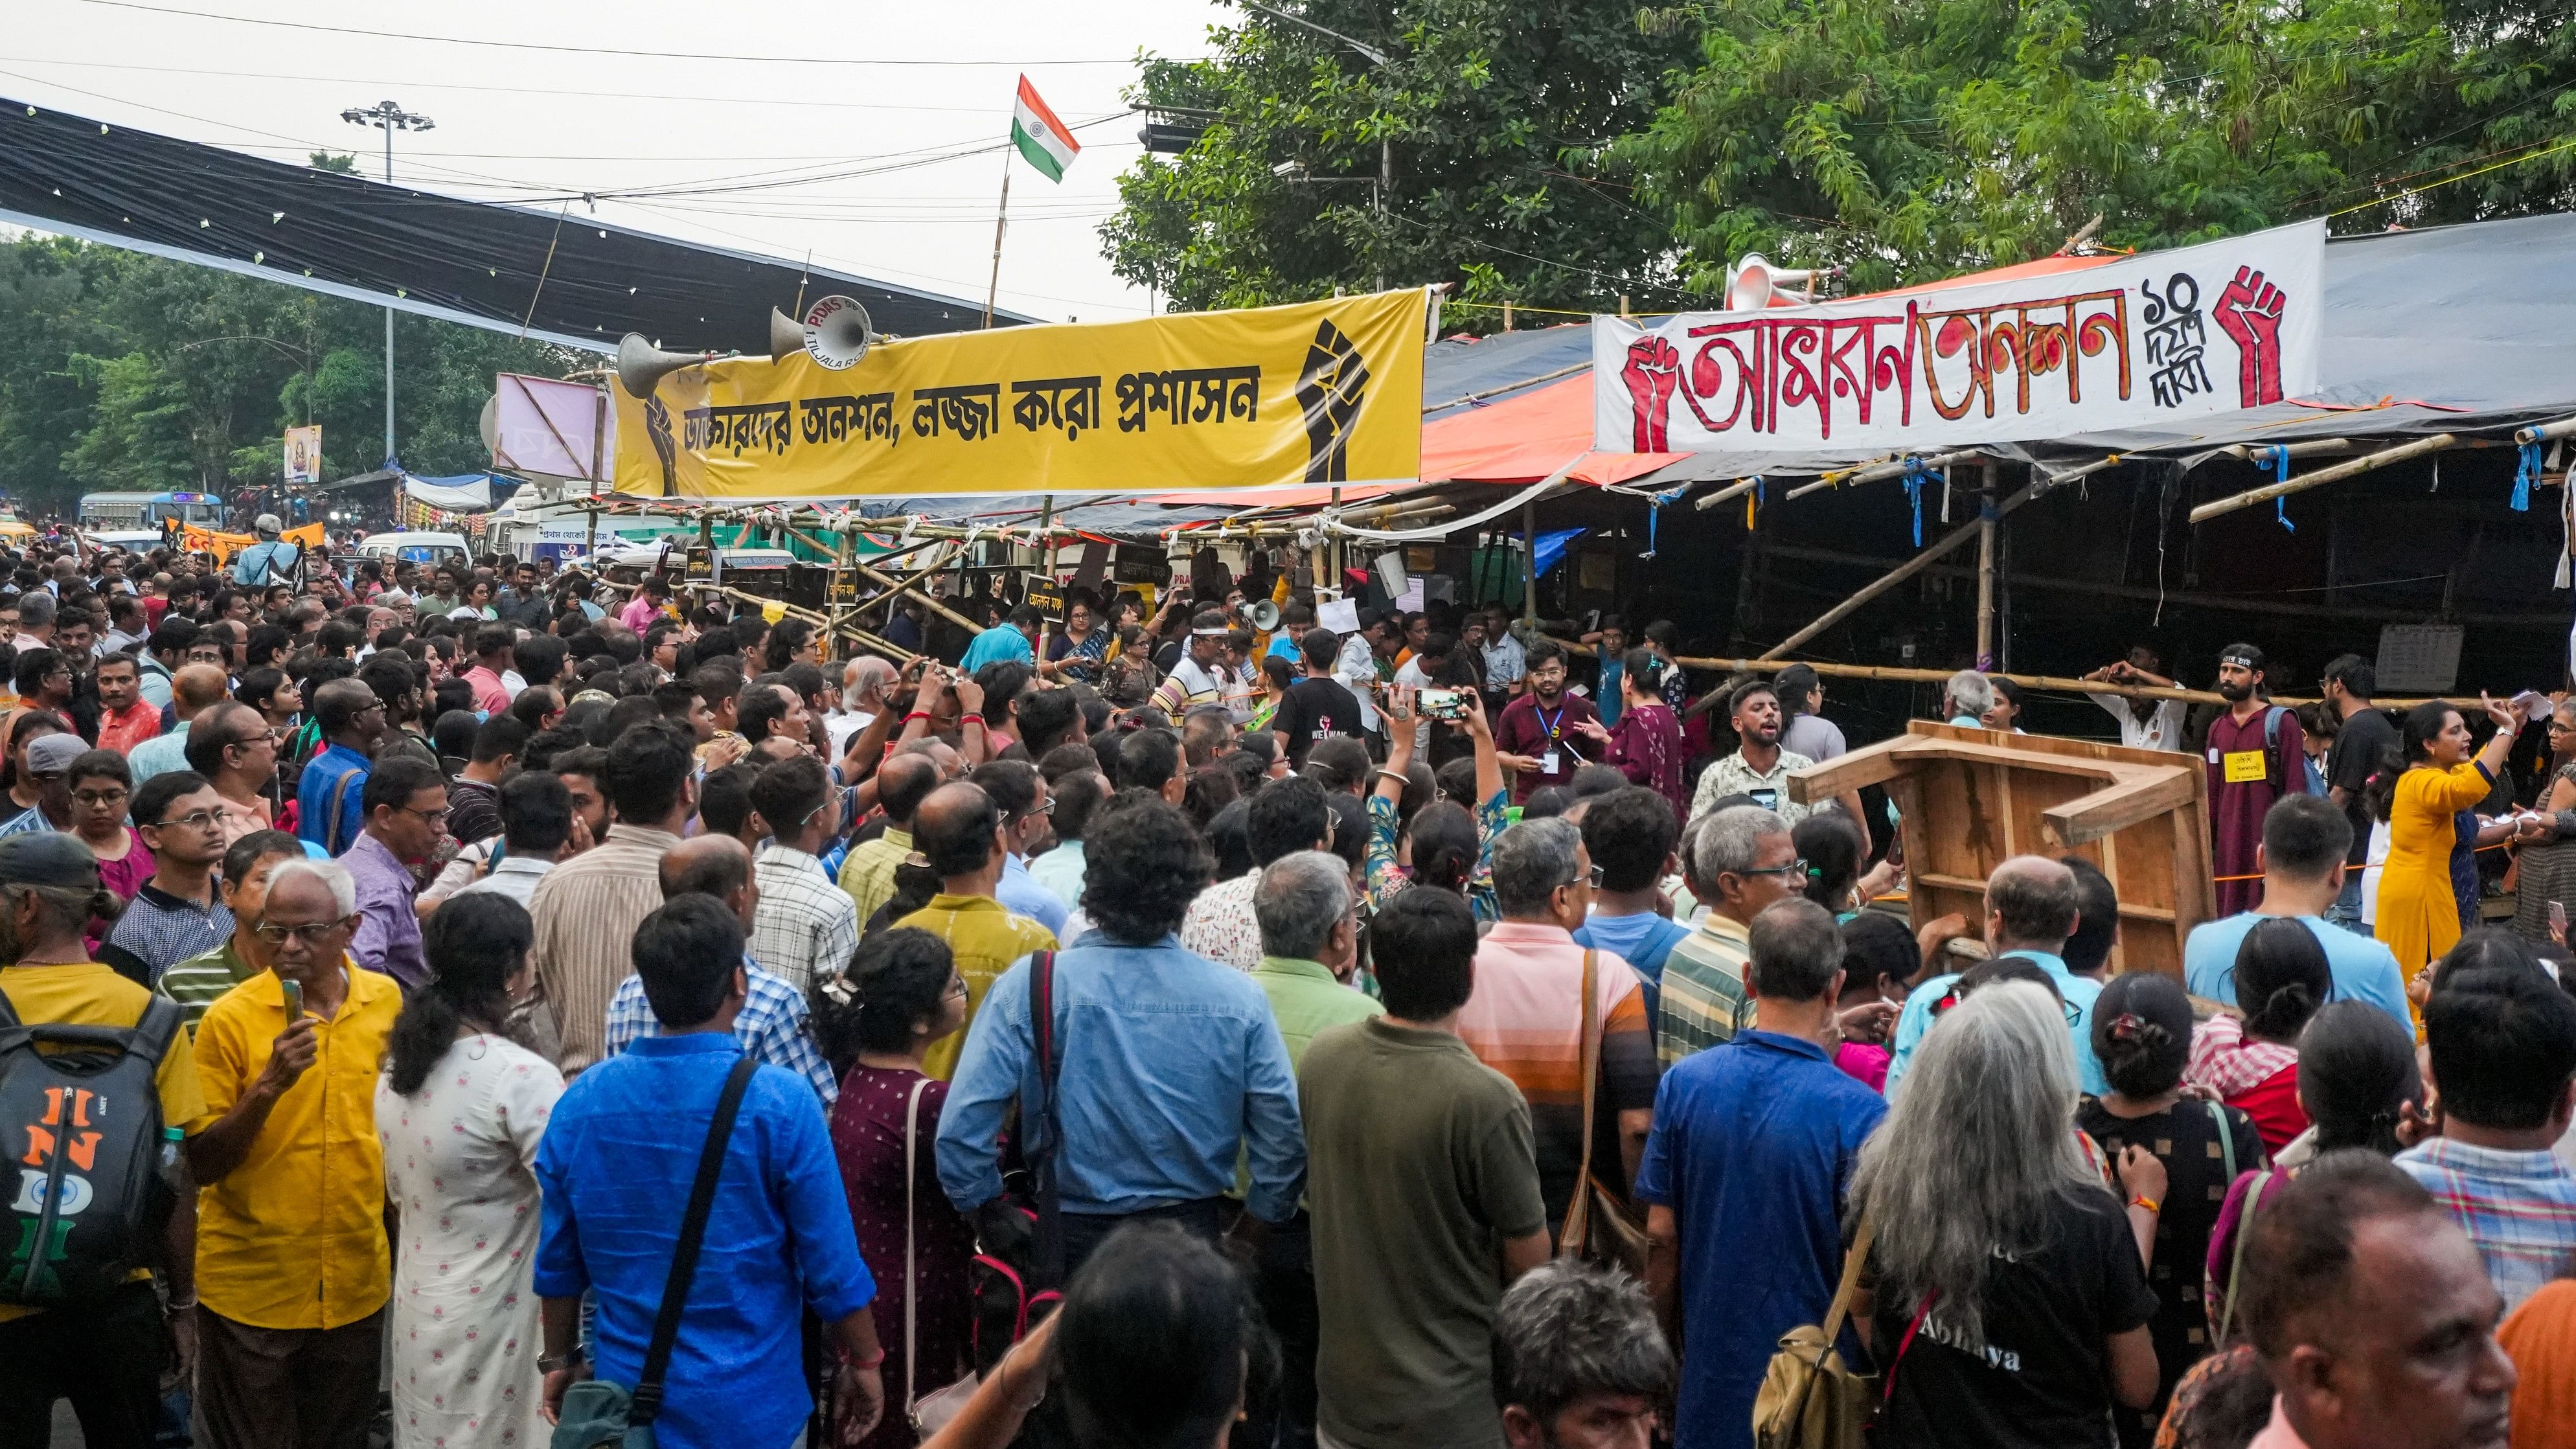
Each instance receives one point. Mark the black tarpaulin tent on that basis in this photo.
(437, 256)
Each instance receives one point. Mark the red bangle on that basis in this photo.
(964, 720)
(916, 714)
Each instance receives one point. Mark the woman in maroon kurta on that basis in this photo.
(1646, 743)
(917, 1247)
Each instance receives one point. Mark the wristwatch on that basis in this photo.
(571, 1358)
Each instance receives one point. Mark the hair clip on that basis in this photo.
(2127, 1026)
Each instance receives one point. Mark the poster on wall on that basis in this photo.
(2142, 341)
(304, 454)
(1323, 392)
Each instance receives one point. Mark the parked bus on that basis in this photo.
(136, 511)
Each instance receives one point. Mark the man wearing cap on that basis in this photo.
(106, 1354)
(49, 760)
(272, 560)
(2254, 756)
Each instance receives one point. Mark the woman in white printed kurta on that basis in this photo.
(459, 1155)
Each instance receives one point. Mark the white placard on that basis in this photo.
(1341, 616)
(2140, 342)
(2418, 658)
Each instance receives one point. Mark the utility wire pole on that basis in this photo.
(388, 118)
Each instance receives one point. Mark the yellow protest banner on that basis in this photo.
(224, 545)
(1312, 393)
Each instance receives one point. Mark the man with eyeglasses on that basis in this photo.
(233, 747)
(406, 805)
(1020, 793)
(175, 914)
(805, 927)
(1525, 1019)
(1736, 861)
(293, 1266)
(2031, 908)
(330, 795)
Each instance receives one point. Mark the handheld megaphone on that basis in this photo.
(1264, 615)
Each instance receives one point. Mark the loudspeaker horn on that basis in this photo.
(640, 364)
(835, 332)
(1754, 281)
(1264, 615)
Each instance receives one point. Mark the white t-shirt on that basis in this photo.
(2162, 729)
(2373, 862)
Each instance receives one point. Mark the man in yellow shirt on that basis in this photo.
(868, 872)
(959, 829)
(293, 1269)
(106, 1354)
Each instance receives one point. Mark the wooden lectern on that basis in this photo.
(1971, 797)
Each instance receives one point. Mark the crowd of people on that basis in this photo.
(571, 1007)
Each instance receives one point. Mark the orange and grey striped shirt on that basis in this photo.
(1525, 1020)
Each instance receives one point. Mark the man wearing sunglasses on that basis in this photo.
(406, 805)
(175, 914)
(2031, 908)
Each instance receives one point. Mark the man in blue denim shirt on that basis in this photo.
(616, 1165)
(1171, 1065)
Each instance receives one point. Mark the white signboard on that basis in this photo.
(2140, 342)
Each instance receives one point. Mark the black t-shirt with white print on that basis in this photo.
(1315, 709)
(2042, 1378)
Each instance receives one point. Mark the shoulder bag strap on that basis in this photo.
(1843, 1291)
(331, 829)
(1045, 1166)
(1578, 1212)
(646, 1402)
(911, 1284)
(2226, 1138)
(2236, 1260)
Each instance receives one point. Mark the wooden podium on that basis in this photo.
(1971, 797)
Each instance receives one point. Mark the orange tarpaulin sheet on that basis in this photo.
(1525, 438)
(224, 545)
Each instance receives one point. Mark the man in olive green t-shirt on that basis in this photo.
(1422, 1182)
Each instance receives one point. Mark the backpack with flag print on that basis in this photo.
(81, 1125)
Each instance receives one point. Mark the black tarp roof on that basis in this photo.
(465, 261)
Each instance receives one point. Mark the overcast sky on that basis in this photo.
(515, 122)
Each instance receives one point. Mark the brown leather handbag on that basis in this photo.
(1598, 1227)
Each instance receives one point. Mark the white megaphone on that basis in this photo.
(1754, 281)
(834, 331)
(1263, 615)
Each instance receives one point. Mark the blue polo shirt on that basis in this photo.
(998, 644)
(2080, 993)
(2363, 969)
(615, 1167)
(313, 790)
(1752, 1149)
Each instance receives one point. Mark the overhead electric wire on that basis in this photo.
(695, 56)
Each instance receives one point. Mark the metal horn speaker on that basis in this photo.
(1264, 615)
(640, 364)
(835, 332)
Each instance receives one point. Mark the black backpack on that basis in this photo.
(81, 1127)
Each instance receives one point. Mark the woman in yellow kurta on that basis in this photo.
(2419, 904)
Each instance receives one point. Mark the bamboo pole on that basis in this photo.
(798, 611)
(1986, 519)
(2546, 432)
(1940, 548)
(2336, 474)
(1876, 472)
(2050, 683)
(899, 588)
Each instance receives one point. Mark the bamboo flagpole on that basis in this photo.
(1001, 216)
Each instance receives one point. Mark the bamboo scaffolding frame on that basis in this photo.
(2052, 683)
(1941, 547)
(2368, 463)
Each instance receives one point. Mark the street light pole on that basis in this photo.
(1385, 143)
(388, 118)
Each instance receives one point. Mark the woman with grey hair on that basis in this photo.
(1578, 1358)
(2004, 1299)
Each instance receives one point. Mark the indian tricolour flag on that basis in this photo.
(1042, 138)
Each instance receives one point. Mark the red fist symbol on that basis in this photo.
(2250, 312)
(1654, 367)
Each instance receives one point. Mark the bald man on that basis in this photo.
(2031, 906)
(902, 783)
(958, 829)
(327, 794)
(774, 1024)
(195, 689)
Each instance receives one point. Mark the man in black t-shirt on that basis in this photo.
(2365, 736)
(1318, 706)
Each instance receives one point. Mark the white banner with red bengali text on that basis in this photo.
(2139, 342)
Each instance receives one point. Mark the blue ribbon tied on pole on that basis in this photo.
(1915, 477)
(2525, 473)
(1655, 511)
(2281, 474)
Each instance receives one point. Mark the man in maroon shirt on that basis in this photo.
(2247, 772)
(1537, 738)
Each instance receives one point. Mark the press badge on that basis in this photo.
(2243, 767)
(1547, 763)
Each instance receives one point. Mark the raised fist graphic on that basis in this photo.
(1654, 368)
(2249, 311)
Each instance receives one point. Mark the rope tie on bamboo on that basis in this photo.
(1915, 474)
(2525, 473)
(1655, 505)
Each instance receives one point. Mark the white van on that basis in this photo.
(428, 550)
